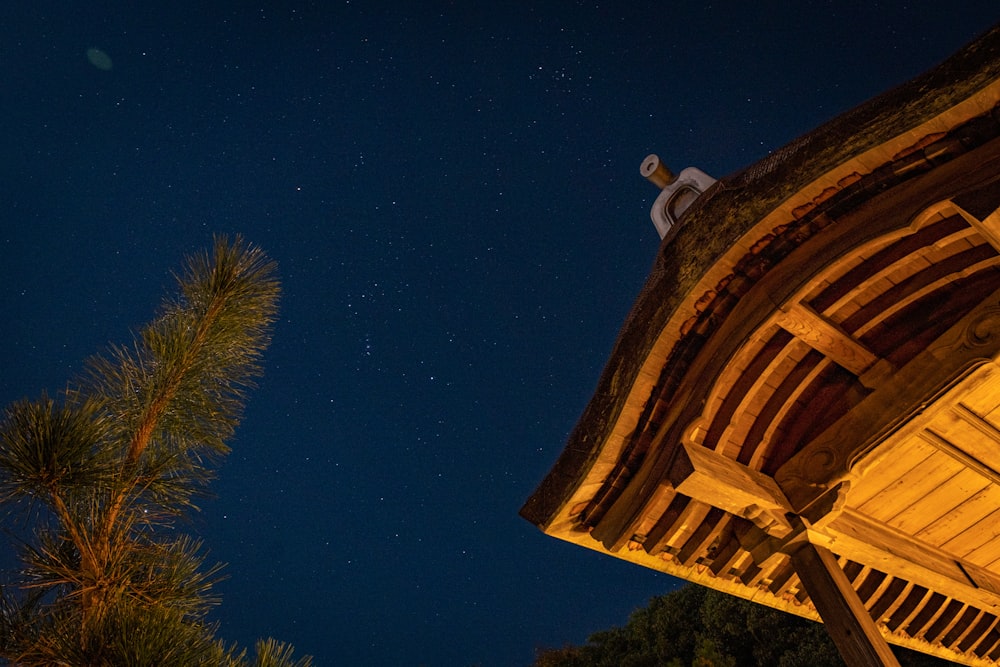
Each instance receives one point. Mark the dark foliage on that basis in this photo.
(698, 627)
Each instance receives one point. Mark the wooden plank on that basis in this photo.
(989, 642)
(988, 225)
(663, 530)
(930, 608)
(900, 404)
(978, 633)
(890, 599)
(925, 286)
(985, 398)
(891, 470)
(704, 535)
(850, 626)
(685, 525)
(939, 500)
(974, 536)
(965, 624)
(719, 481)
(908, 607)
(780, 577)
(727, 553)
(971, 435)
(944, 622)
(961, 518)
(826, 337)
(873, 583)
(883, 548)
(904, 492)
(987, 554)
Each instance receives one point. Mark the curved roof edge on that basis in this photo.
(740, 210)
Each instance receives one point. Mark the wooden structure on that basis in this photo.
(803, 406)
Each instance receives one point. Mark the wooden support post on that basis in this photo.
(850, 625)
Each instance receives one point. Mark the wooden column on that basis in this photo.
(850, 625)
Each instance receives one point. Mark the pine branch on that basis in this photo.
(271, 653)
(180, 394)
(126, 452)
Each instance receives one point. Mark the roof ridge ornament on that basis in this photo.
(677, 193)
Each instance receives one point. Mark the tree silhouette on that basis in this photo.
(699, 627)
(94, 482)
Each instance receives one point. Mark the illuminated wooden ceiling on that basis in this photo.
(816, 357)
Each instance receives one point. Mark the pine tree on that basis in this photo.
(95, 481)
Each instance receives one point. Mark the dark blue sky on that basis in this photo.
(452, 195)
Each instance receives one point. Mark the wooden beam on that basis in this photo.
(980, 440)
(874, 544)
(829, 339)
(980, 210)
(877, 545)
(906, 401)
(850, 626)
(719, 481)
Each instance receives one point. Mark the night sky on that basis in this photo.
(453, 198)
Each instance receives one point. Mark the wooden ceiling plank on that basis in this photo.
(766, 397)
(892, 469)
(870, 585)
(930, 608)
(756, 449)
(924, 291)
(972, 537)
(851, 288)
(853, 569)
(929, 474)
(965, 625)
(989, 641)
(939, 501)
(970, 512)
(984, 399)
(989, 224)
(986, 554)
(968, 437)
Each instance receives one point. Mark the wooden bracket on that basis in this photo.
(714, 479)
